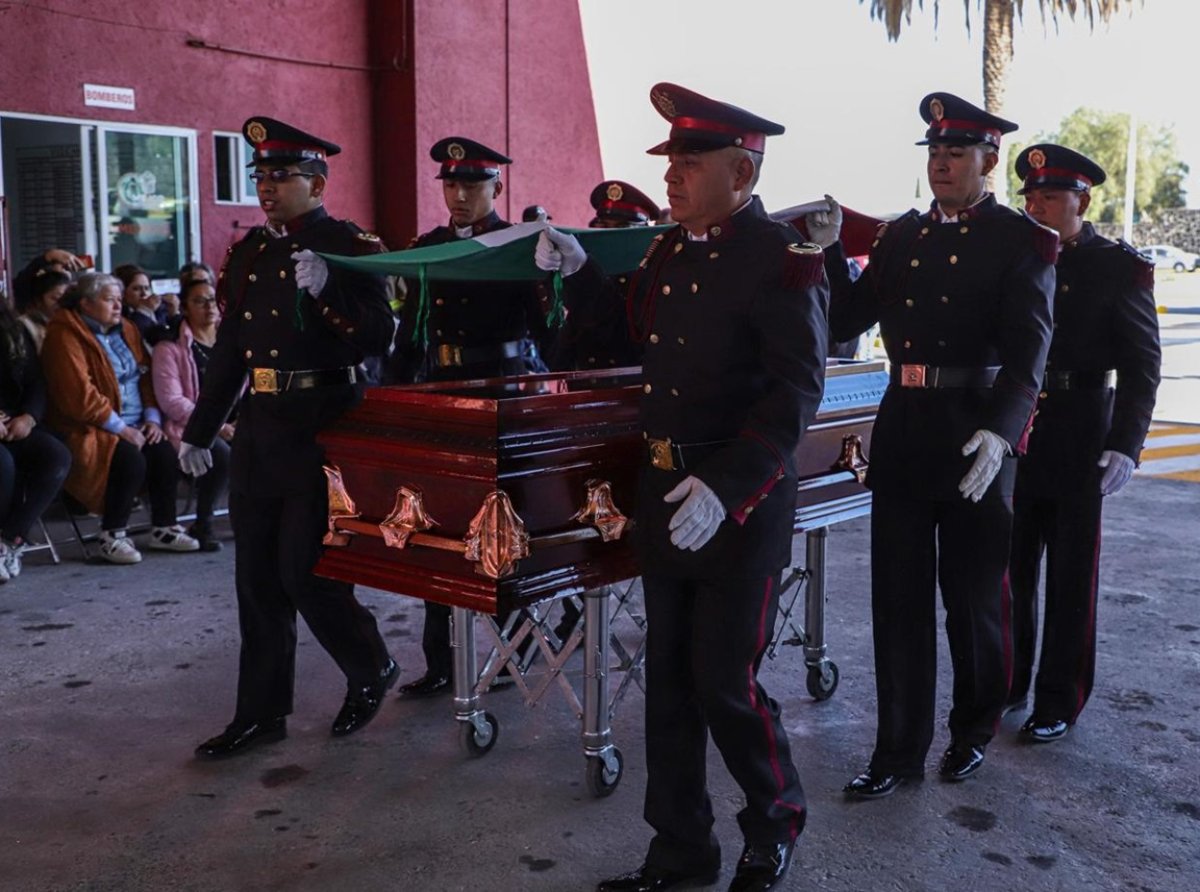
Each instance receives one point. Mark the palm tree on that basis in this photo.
(998, 17)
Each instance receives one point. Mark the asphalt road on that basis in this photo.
(110, 675)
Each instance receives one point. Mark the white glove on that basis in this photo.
(824, 227)
(991, 450)
(193, 460)
(698, 517)
(1118, 468)
(311, 271)
(559, 251)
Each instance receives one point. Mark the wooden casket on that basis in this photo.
(494, 494)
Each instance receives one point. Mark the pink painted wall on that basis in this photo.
(48, 58)
(511, 73)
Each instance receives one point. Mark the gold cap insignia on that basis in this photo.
(367, 236)
(663, 102)
(455, 151)
(1037, 158)
(256, 132)
(805, 248)
(936, 109)
(614, 192)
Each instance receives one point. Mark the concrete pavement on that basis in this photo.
(110, 675)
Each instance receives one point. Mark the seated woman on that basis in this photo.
(41, 302)
(102, 402)
(178, 372)
(143, 307)
(33, 464)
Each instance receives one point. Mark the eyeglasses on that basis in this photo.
(277, 175)
(202, 301)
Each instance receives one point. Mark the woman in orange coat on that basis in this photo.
(102, 402)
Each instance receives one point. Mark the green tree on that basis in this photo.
(1103, 137)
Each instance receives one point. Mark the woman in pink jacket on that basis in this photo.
(178, 368)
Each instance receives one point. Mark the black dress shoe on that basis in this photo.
(1037, 730)
(241, 736)
(648, 878)
(960, 761)
(872, 784)
(362, 702)
(428, 685)
(762, 866)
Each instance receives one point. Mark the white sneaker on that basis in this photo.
(171, 539)
(10, 559)
(117, 548)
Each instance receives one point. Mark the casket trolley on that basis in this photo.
(496, 497)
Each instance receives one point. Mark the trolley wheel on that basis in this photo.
(823, 680)
(473, 742)
(600, 781)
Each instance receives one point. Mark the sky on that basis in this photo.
(849, 97)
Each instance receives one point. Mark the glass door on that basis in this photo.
(118, 193)
(148, 210)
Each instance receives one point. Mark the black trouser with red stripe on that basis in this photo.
(278, 543)
(918, 546)
(705, 641)
(1067, 530)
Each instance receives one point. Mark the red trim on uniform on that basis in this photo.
(742, 514)
(1056, 172)
(1087, 660)
(683, 127)
(470, 164)
(609, 205)
(760, 708)
(962, 124)
(1006, 638)
(1046, 242)
(271, 145)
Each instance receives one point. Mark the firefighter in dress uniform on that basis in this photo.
(292, 333)
(962, 294)
(460, 330)
(728, 309)
(1094, 409)
(617, 205)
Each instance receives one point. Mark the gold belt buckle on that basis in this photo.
(661, 455)
(265, 381)
(912, 376)
(449, 354)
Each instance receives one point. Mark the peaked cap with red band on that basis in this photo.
(281, 143)
(1047, 166)
(957, 122)
(465, 159)
(619, 204)
(700, 124)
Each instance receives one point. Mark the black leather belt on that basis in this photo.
(668, 456)
(445, 355)
(281, 381)
(1089, 379)
(934, 376)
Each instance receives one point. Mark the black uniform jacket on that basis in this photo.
(734, 335)
(968, 294)
(267, 323)
(1104, 318)
(472, 315)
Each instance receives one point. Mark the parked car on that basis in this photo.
(1170, 257)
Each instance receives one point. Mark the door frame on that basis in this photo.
(97, 246)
